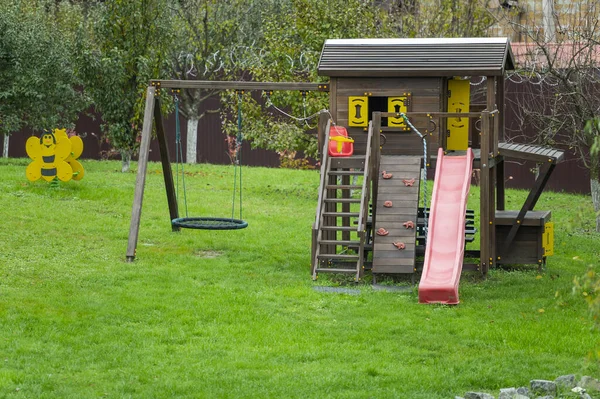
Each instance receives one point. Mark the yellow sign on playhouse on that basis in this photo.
(358, 111)
(54, 156)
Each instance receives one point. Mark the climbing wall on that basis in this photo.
(396, 214)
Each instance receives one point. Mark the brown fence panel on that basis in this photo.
(569, 176)
(212, 146)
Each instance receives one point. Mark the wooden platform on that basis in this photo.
(529, 152)
(386, 257)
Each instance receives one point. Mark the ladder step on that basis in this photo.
(356, 162)
(346, 172)
(338, 228)
(341, 214)
(350, 158)
(342, 187)
(343, 200)
(332, 270)
(339, 242)
(338, 256)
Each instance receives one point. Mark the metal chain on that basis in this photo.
(238, 157)
(179, 156)
(423, 172)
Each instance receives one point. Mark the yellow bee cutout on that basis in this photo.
(54, 155)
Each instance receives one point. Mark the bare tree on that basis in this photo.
(439, 18)
(559, 69)
(214, 42)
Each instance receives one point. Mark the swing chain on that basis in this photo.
(238, 156)
(179, 153)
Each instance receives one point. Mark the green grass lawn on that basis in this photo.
(234, 314)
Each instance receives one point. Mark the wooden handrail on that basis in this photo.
(362, 221)
(436, 114)
(323, 183)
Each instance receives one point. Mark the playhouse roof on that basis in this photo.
(416, 57)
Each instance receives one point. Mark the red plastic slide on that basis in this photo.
(446, 236)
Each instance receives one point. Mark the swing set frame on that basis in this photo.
(153, 118)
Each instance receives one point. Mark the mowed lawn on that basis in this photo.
(235, 314)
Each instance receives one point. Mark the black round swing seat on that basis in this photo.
(205, 223)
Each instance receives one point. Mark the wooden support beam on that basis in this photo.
(313, 251)
(321, 127)
(500, 183)
(166, 163)
(528, 205)
(346, 207)
(238, 85)
(500, 103)
(330, 207)
(138, 198)
(492, 83)
(484, 189)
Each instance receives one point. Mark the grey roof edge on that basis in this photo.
(509, 58)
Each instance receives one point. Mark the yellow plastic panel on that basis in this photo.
(458, 101)
(358, 111)
(76, 147)
(548, 239)
(397, 104)
(78, 171)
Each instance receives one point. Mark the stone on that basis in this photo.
(585, 396)
(507, 393)
(543, 387)
(588, 382)
(519, 396)
(478, 395)
(545, 397)
(524, 391)
(567, 381)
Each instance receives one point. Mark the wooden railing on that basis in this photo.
(323, 183)
(366, 186)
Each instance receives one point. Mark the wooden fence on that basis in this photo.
(569, 176)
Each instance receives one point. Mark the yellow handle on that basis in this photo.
(340, 141)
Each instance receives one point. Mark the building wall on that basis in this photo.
(551, 20)
(425, 96)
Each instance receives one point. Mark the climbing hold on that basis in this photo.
(387, 204)
(409, 225)
(400, 245)
(408, 182)
(386, 175)
(382, 232)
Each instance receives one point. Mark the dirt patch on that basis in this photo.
(208, 254)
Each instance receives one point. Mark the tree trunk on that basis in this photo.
(125, 161)
(595, 188)
(5, 146)
(192, 141)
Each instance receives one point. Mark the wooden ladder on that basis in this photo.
(340, 227)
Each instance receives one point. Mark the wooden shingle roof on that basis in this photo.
(416, 57)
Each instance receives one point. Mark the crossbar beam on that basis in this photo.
(238, 85)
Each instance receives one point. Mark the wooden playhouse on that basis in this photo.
(407, 105)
